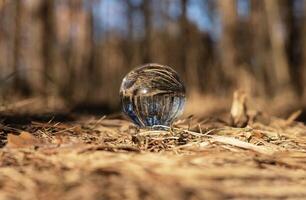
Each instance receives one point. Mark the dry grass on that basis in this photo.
(195, 159)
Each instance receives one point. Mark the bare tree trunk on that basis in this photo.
(228, 49)
(129, 46)
(304, 54)
(146, 47)
(277, 38)
(20, 83)
(77, 47)
(184, 33)
(292, 43)
(7, 42)
(93, 71)
(47, 40)
(261, 47)
(17, 41)
(188, 54)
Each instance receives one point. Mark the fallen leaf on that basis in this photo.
(25, 139)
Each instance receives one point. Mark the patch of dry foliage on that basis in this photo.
(245, 156)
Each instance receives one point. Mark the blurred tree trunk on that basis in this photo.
(228, 49)
(188, 53)
(261, 47)
(183, 36)
(128, 47)
(277, 38)
(146, 45)
(304, 53)
(92, 69)
(20, 83)
(293, 47)
(77, 46)
(8, 47)
(47, 41)
(17, 41)
(2, 40)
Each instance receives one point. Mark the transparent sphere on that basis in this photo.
(152, 95)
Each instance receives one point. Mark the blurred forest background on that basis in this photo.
(79, 50)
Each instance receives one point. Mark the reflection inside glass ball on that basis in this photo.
(152, 95)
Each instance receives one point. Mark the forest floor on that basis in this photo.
(243, 154)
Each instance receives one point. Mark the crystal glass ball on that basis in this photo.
(152, 95)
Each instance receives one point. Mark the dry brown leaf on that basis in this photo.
(25, 139)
